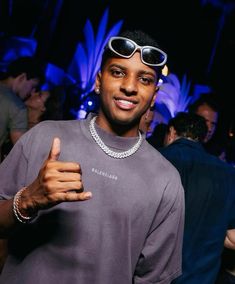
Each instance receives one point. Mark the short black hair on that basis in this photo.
(138, 36)
(157, 137)
(31, 66)
(189, 125)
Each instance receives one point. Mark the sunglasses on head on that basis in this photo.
(125, 47)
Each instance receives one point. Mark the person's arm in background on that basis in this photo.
(229, 241)
(8, 144)
(16, 134)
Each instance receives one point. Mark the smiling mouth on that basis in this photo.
(125, 104)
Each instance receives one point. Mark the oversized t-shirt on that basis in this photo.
(130, 231)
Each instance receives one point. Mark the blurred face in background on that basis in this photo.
(37, 100)
(211, 117)
(23, 87)
(36, 106)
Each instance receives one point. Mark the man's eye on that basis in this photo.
(147, 80)
(117, 73)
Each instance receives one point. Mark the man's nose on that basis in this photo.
(129, 84)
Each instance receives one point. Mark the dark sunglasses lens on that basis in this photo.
(152, 56)
(122, 46)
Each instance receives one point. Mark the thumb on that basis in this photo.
(55, 150)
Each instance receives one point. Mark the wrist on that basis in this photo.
(21, 213)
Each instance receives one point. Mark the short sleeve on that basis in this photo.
(18, 118)
(161, 257)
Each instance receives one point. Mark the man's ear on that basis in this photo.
(154, 97)
(153, 100)
(98, 81)
(172, 134)
(21, 77)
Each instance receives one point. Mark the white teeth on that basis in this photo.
(125, 102)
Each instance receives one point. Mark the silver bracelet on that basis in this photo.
(21, 218)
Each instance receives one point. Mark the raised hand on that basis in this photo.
(57, 182)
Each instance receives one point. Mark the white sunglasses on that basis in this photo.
(125, 47)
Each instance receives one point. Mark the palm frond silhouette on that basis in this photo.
(173, 96)
(87, 58)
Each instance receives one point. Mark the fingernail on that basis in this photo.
(88, 195)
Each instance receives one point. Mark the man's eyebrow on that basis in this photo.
(117, 65)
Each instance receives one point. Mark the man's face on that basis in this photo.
(127, 89)
(211, 118)
(25, 87)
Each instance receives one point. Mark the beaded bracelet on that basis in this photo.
(21, 218)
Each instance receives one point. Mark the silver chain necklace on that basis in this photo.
(106, 149)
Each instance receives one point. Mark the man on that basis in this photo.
(206, 107)
(209, 198)
(128, 229)
(23, 75)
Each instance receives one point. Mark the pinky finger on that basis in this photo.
(78, 196)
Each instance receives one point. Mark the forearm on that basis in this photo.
(7, 219)
(16, 134)
(16, 211)
(230, 239)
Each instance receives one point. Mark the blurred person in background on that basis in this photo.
(207, 106)
(36, 106)
(209, 186)
(45, 105)
(22, 76)
(54, 103)
(158, 135)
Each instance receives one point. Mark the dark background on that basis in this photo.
(189, 31)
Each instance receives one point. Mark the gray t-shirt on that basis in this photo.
(129, 232)
(13, 113)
